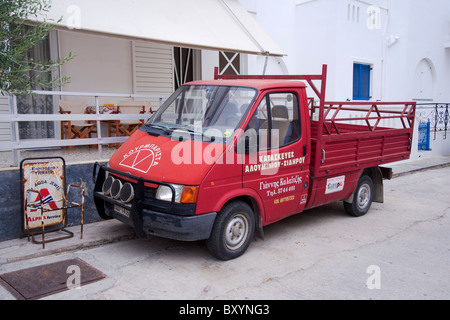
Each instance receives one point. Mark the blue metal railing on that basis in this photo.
(437, 114)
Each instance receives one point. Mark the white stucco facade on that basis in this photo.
(405, 42)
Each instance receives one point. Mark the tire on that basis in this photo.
(232, 232)
(362, 198)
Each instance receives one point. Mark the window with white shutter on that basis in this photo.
(153, 70)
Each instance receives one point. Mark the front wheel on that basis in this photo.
(362, 198)
(232, 232)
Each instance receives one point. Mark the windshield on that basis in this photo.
(212, 111)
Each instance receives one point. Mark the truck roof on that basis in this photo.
(258, 84)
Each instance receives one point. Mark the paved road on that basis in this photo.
(400, 250)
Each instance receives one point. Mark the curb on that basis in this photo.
(94, 235)
(67, 249)
(412, 171)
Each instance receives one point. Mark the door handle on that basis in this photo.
(323, 155)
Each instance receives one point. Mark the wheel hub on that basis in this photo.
(236, 232)
(363, 196)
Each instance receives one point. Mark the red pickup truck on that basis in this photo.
(221, 159)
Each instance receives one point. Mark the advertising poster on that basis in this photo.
(47, 178)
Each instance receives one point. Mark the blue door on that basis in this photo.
(361, 81)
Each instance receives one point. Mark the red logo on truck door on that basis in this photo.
(142, 158)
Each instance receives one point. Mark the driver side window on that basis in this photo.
(276, 121)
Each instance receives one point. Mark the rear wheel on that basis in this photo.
(232, 232)
(362, 198)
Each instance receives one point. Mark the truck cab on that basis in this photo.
(220, 160)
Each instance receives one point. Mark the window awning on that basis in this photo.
(205, 24)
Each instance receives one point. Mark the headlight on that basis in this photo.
(164, 193)
(183, 194)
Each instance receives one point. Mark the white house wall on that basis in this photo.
(408, 48)
(210, 60)
(429, 30)
(339, 33)
(359, 39)
(278, 20)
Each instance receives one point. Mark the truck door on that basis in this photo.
(275, 165)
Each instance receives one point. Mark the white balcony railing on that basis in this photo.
(17, 144)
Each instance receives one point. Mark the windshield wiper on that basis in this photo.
(169, 130)
(166, 130)
(211, 138)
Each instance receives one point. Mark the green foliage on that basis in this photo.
(19, 74)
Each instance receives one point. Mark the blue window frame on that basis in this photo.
(361, 81)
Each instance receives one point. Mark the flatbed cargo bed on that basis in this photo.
(338, 145)
(348, 136)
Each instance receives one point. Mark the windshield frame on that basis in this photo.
(214, 100)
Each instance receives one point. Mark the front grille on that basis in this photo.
(150, 202)
(149, 193)
(144, 193)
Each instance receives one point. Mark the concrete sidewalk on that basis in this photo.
(408, 167)
(94, 234)
(104, 232)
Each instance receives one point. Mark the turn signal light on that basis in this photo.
(189, 195)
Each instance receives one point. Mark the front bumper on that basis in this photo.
(147, 217)
(178, 228)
